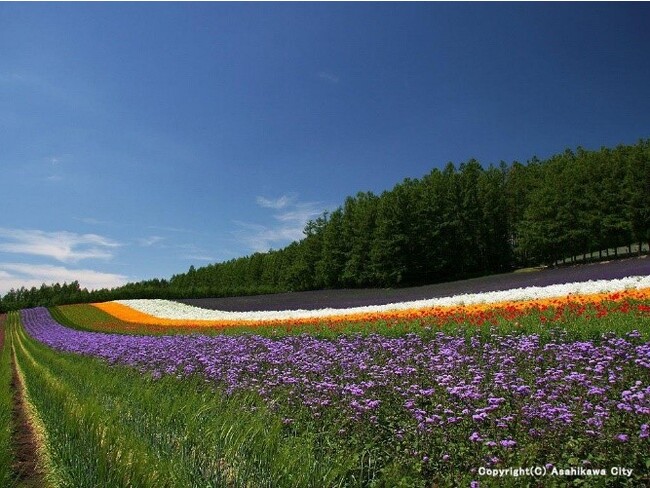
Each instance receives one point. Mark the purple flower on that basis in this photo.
(596, 391)
(522, 390)
(496, 400)
(645, 431)
(480, 417)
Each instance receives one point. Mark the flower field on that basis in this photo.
(426, 393)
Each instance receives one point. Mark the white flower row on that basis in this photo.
(166, 309)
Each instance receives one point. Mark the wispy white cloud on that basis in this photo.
(66, 247)
(55, 167)
(288, 226)
(277, 203)
(194, 253)
(170, 229)
(328, 76)
(300, 213)
(150, 241)
(16, 275)
(93, 221)
(260, 238)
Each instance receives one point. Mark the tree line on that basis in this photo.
(453, 223)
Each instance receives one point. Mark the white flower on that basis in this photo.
(166, 309)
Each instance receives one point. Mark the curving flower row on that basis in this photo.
(170, 313)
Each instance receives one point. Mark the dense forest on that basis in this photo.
(453, 223)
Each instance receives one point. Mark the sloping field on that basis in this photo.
(312, 300)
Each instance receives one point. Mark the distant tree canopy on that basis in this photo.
(452, 223)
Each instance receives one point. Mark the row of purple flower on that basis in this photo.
(501, 391)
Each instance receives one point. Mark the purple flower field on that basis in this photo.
(496, 394)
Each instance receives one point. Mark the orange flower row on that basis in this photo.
(129, 314)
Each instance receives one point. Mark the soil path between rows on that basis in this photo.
(346, 298)
(24, 441)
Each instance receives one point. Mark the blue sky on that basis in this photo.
(137, 139)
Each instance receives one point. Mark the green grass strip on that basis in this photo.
(86, 317)
(6, 402)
